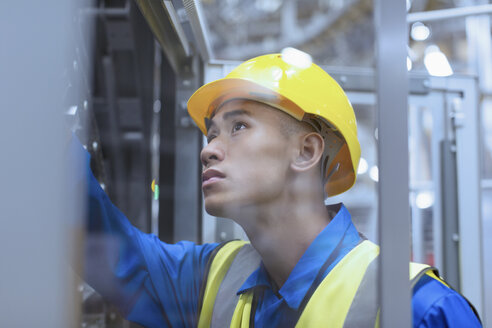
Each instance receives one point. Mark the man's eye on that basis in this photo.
(238, 126)
(210, 138)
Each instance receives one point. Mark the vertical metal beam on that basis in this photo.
(394, 236)
(36, 237)
(473, 271)
(450, 229)
(187, 191)
(467, 131)
(415, 164)
(199, 27)
(155, 137)
(119, 176)
(435, 103)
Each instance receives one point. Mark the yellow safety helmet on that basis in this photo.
(301, 89)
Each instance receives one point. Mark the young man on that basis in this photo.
(281, 135)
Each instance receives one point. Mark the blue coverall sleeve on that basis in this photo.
(436, 305)
(152, 283)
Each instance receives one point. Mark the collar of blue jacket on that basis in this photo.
(339, 233)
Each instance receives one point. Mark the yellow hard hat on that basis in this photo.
(302, 90)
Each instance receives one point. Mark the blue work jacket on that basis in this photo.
(158, 285)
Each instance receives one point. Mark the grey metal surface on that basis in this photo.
(487, 247)
(187, 204)
(174, 18)
(38, 232)
(155, 138)
(198, 25)
(171, 37)
(435, 101)
(416, 158)
(114, 131)
(480, 51)
(467, 131)
(394, 226)
(187, 173)
(449, 194)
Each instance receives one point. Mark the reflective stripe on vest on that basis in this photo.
(346, 297)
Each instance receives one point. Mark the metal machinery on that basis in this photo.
(125, 96)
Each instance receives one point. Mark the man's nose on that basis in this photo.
(212, 152)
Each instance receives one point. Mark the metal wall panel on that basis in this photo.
(37, 234)
(394, 221)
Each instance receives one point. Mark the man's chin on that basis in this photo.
(214, 208)
(219, 209)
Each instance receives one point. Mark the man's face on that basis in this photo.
(246, 161)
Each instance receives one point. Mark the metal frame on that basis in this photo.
(457, 229)
(434, 101)
(467, 131)
(394, 221)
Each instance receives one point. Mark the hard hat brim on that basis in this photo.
(209, 97)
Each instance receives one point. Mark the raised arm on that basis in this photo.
(151, 282)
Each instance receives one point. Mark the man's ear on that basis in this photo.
(309, 153)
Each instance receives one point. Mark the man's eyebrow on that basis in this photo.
(209, 122)
(235, 112)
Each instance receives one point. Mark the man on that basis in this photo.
(281, 135)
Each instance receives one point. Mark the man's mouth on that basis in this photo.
(210, 176)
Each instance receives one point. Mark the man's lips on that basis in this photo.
(210, 176)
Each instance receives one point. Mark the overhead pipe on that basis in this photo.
(436, 15)
(197, 21)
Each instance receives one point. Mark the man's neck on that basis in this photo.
(282, 232)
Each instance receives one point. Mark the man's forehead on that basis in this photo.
(234, 104)
(234, 107)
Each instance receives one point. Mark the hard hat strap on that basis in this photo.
(333, 143)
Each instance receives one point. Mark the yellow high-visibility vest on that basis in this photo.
(346, 297)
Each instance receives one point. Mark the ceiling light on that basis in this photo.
(269, 6)
(72, 110)
(362, 166)
(374, 173)
(419, 31)
(436, 62)
(424, 199)
(296, 57)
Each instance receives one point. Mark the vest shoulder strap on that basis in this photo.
(215, 273)
(246, 261)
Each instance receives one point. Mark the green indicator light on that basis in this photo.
(156, 192)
